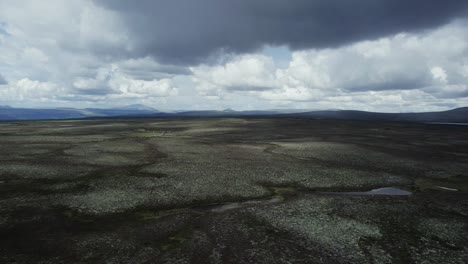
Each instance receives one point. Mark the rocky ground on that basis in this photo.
(232, 191)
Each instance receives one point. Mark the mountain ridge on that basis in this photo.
(457, 115)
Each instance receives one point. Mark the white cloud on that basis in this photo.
(34, 55)
(71, 24)
(75, 51)
(390, 70)
(30, 90)
(111, 81)
(439, 74)
(247, 72)
(46, 40)
(158, 88)
(70, 44)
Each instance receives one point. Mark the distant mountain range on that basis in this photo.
(137, 107)
(10, 113)
(458, 115)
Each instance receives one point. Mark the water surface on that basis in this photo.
(379, 191)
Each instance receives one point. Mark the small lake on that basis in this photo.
(380, 191)
(442, 123)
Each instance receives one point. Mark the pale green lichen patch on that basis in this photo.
(23, 170)
(347, 156)
(56, 138)
(105, 201)
(115, 146)
(314, 220)
(452, 231)
(150, 134)
(117, 153)
(449, 184)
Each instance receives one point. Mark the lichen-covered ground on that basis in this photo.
(232, 191)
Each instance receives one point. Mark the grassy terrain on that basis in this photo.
(232, 191)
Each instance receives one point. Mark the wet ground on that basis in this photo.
(233, 191)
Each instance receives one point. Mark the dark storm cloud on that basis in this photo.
(95, 91)
(150, 72)
(2, 80)
(188, 31)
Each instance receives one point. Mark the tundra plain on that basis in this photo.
(232, 190)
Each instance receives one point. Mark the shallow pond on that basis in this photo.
(379, 191)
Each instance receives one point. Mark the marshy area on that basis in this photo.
(233, 190)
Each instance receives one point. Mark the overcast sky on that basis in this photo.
(377, 55)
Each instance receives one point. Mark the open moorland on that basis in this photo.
(233, 190)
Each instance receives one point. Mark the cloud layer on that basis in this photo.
(381, 55)
(2, 80)
(186, 31)
(430, 66)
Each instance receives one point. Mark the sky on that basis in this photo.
(373, 55)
